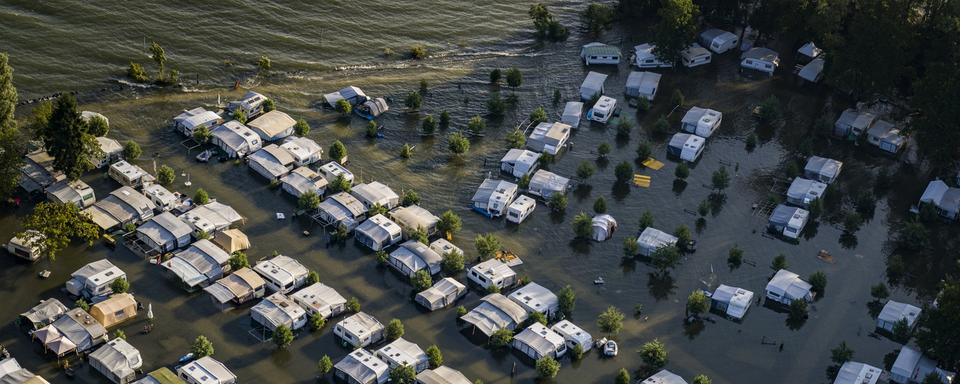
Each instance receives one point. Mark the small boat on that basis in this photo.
(599, 281)
(610, 348)
(185, 358)
(204, 156)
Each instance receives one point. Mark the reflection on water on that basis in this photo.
(729, 352)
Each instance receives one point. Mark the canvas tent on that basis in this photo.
(361, 367)
(276, 310)
(652, 239)
(413, 256)
(117, 309)
(121, 207)
(545, 184)
(603, 227)
(442, 294)
(853, 123)
(79, 329)
(894, 311)
(43, 314)
(822, 169)
(886, 136)
(375, 192)
(341, 209)
(549, 138)
(494, 313)
(642, 84)
(351, 94)
(592, 86)
(212, 217)
(664, 377)
(372, 108)
(786, 286)
(731, 301)
(271, 162)
(319, 299)
(303, 180)
(117, 360)
(572, 113)
(232, 240)
(12, 373)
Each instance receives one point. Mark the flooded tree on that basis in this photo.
(135, 71)
(449, 224)
(879, 292)
(770, 113)
(537, 317)
(420, 234)
(610, 320)
(377, 209)
(797, 311)
(264, 64)
(421, 280)
(98, 126)
(418, 52)
(434, 356)
(676, 29)
(410, 197)
(202, 134)
(309, 201)
(630, 247)
(779, 262)
(302, 128)
(238, 260)
(165, 175)
(343, 107)
(646, 220)
(495, 76)
(818, 283)
(201, 197)
(120, 285)
(240, 116)
(600, 205)
(487, 245)
(353, 304)
(496, 107)
(313, 277)
(567, 298)
(597, 18)
(444, 120)
(476, 125)
(735, 257)
(413, 101)
(403, 374)
(201, 347)
(514, 77)
(325, 365)
(52, 226)
(665, 258)
(697, 303)
(317, 322)
(623, 377)
(603, 150)
(938, 332)
(682, 171)
(702, 379)
(159, 57)
(516, 139)
(282, 336)
(458, 143)
(841, 354)
(545, 24)
(394, 329)
(338, 151)
(654, 354)
(429, 125)
(547, 367)
(406, 151)
(500, 339)
(585, 170)
(558, 202)
(623, 172)
(538, 115)
(382, 257)
(582, 225)
(721, 179)
(661, 125)
(67, 140)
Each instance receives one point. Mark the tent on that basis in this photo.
(603, 227)
(115, 310)
(232, 240)
(442, 294)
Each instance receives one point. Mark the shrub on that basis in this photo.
(449, 224)
(282, 336)
(302, 128)
(353, 305)
(421, 280)
(165, 175)
(643, 104)
(697, 303)
(516, 139)
(677, 98)
(413, 101)
(406, 151)
(623, 172)
(495, 105)
(682, 171)
(567, 298)
(665, 258)
(429, 125)
(444, 120)
(779, 262)
(610, 320)
(603, 150)
(538, 115)
(654, 354)
(394, 329)
(644, 150)
(597, 17)
(309, 201)
(500, 339)
(630, 247)
(410, 197)
(344, 107)
(201, 347)
(558, 202)
(264, 64)
(476, 124)
(338, 151)
(547, 367)
(459, 144)
(582, 226)
(434, 356)
(646, 220)
(487, 245)
(423, 86)
(798, 310)
(131, 150)
(495, 76)
(239, 260)
(769, 112)
(600, 205)
(514, 77)
(818, 283)
(136, 72)
(418, 52)
(325, 365)
(735, 257)
(585, 170)
(317, 322)
(661, 126)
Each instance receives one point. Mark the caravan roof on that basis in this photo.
(207, 370)
(664, 377)
(320, 299)
(805, 190)
(894, 311)
(809, 50)
(414, 256)
(442, 375)
(375, 192)
(738, 300)
(789, 285)
(853, 372)
(212, 217)
(304, 150)
(276, 310)
(822, 168)
(541, 339)
(495, 312)
(701, 121)
(380, 229)
(282, 269)
(536, 298)
(363, 367)
(402, 352)
(592, 85)
(118, 358)
(643, 84)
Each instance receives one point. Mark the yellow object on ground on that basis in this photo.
(653, 164)
(641, 181)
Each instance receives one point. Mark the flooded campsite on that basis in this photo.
(760, 157)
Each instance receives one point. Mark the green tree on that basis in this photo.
(353, 304)
(779, 262)
(413, 101)
(382, 257)
(240, 116)
(11, 144)
(558, 202)
(67, 139)
(623, 172)
(420, 235)
(646, 220)
(630, 247)
(165, 175)
(270, 105)
(201, 197)
(938, 331)
(201, 347)
(567, 298)
(403, 374)
(901, 330)
(119, 334)
(582, 225)
(325, 365)
(410, 197)
(514, 77)
(52, 226)
(538, 317)
(879, 291)
(120, 285)
(429, 125)
(453, 262)
(343, 107)
(309, 201)
(538, 115)
(797, 310)
(661, 125)
(338, 151)
(585, 170)
(932, 378)
(131, 150)
(264, 64)
(603, 150)
(495, 105)
(313, 277)
(697, 303)
(406, 151)
(576, 353)
(238, 260)
(600, 205)
(818, 283)
(495, 76)
(623, 377)
(547, 367)
(82, 304)
(545, 24)
(476, 124)
(654, 354)
(841, 354)
(501, 338)
(644, 150)
(302, 128)
(282, 336)
(682, 171)
(434, 356)
(98, 126)
(339, 184)
(702, 379)
(683, 236)
(516, 139)
(136, 72)
(665, 258)
(394, 329)
(721, 179)
(418, 52)
(610, 320)
(487, 245)
(160, 57)
(624, 127)
(597, 17)
(421, 280)
(317, 322)
(676, 29)
(770, 112)
(735, 257)
(459, 144)
(444, 120)
(202, 134)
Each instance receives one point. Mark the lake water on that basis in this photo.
(318, 49)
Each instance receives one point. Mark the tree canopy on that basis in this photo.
(52, 226)
(11, 145)
(676, 29)
(67, 140)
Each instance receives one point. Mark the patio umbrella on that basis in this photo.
(46, 334)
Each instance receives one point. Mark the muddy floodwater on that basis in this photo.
(727, 351)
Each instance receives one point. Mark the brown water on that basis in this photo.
(728, 352)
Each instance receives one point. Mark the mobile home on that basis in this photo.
(520, 209)
(319, 299)
(695, 55)
(374, 193)
(251, 104)
(894, 311)
(803, 192)
(572, 113)
(731, 301)
(130, 175)
(442, 294)
(519, 162)
(271, 162)
(414, 218)
(359, 330)
(273, 125)
(545, 184)
(644, 57)
(413, 256)
(276, 310)
(342, 209)
(492, 272)
(362, 367)
(602, 110)
(401, 352)
(235, 139)
(537, 341)
(164, 233)
(534, 297)
(788, 221)
(652, 239)
(494, 313)
(282, 274)
(304, 151)
(94, 279)
(493, 197)
(303, 180)
(822, 169)
(573, 335)
(763, 60)
(378, 232)
(600, 54)
(190, 120)
(549, 138)
(718, 41)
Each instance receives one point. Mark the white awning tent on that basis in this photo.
(413, 256)
(643, 84)
(572, 113)
(276, 310)
(545, 184)
(492, 272)
(652, 239)
(442, 294)
(786, 286)
(912, 366)
(442, 375)
(494, 313)
(894, 311)
(117, 360)
(592, 86)
(378, 232)
(603, 227)
(812, 71)
(664, 377)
